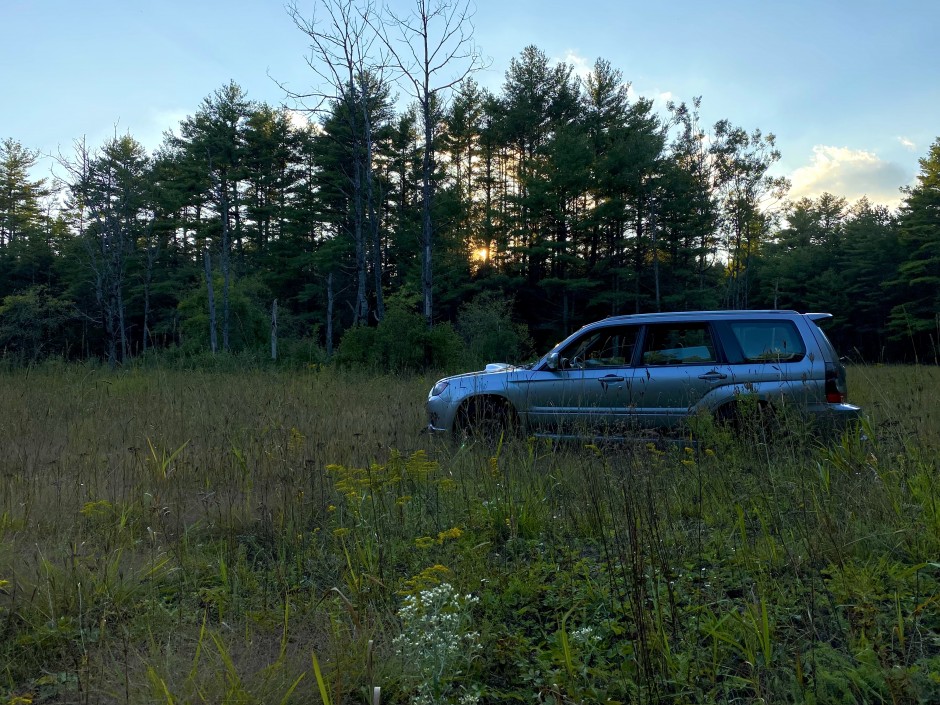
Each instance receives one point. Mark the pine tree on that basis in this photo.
(213, 144)
(919, 275)
(20, 209)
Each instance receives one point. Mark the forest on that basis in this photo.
(427, 218)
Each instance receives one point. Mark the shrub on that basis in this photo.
(249, 317)
(487, 328)
(31, 323)
(401, 342)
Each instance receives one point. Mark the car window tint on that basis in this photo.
(678, 344)
(607, 347)
(768, 341)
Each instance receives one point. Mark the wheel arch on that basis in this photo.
(477, 406)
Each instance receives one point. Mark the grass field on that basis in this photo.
(278, 537)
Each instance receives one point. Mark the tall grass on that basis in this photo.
(265, 536)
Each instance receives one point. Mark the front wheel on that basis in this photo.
(488, 419)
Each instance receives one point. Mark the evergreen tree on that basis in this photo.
(918, 317)
(20, 197)
(746, 194)
(212, 142)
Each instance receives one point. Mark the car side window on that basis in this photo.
(768, 341)
(606, 347)
(678, 344)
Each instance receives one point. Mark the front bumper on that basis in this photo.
(440, 415)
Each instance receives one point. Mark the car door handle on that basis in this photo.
(610, 379)
(713, 376)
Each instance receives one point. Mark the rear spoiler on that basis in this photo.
(815, 317)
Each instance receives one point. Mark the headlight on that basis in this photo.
(439, 388)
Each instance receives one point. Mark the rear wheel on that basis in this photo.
(751, 418)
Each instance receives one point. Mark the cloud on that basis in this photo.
(582, 66)
(155, 124)
(907, 144)
(299, 119)
(850, 173)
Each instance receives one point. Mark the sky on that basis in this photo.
(850, 88)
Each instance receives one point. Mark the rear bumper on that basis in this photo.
(835, 417)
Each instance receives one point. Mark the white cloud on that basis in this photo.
(299, 119)
(157, 122)
(661, 99)
(907, 144)
(582, 66)
(850, 173)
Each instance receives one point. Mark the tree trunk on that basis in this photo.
(655, 238)
(210, 290)
(122, 328)
(373, 219)
(427, 280)
(226, 244)
(329, 315)
(362, 303)
(146, 318)
(274, 330)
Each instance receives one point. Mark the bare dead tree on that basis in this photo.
(433, 49)
(107, 194)
(151, 249)
(343, 56)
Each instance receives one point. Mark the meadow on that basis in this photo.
(274, 536)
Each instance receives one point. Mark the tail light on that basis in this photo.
(836, 388)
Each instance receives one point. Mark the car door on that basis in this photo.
(677, 366)
(590, 391)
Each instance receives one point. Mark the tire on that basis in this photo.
(748, 419)
(486, 419)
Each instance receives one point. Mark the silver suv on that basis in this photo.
(654, 371)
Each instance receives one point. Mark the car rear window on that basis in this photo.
(828, 348)
(768, 341)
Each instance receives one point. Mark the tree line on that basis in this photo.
(566, 198)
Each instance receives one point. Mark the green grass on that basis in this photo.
(177, 537)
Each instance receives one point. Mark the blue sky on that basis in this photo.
(850, 87)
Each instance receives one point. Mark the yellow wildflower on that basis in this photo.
(454, 533)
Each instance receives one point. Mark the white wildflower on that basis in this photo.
(436, 646)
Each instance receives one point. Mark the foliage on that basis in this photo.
(400, 342)
(490, 334)
(251, 322)
(31, 323)
(919, 273)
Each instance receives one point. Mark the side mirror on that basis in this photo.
(552, 361)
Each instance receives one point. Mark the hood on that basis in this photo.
(492, 368)
(499, 367)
